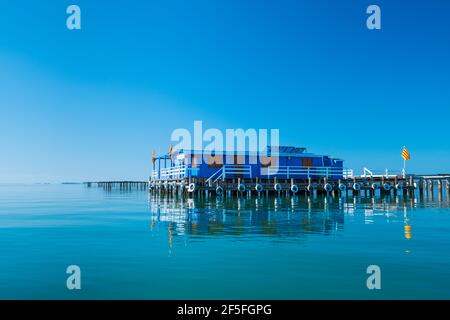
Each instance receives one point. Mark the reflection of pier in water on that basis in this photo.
(284, 217)
(243, 216)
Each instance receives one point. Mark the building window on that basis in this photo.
(265, 161)
(239, 159)
(307, 162)
(215, 161)
(195, 160)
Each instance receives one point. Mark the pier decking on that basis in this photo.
(350, 184)
(353, 185)
(122, 185)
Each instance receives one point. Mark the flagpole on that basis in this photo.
(404, 164)
(404, 168)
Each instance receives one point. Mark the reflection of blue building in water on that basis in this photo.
(244, 217)
(286, 163)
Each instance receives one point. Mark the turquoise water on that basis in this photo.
(129, 245)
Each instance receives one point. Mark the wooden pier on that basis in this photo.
(363, 185)
(428, 183)
(282, 172)
(354, 185)
(120, 185)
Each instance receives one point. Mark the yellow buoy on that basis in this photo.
(408, 234)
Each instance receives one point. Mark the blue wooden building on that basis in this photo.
(284, 163)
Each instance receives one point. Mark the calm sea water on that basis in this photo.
(129, 245)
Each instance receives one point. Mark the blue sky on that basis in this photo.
(92, 104)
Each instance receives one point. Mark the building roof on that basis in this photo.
(282, 151)
(286, 151)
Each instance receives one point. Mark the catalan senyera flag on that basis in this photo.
(170, 153)
(153, 157)
(405, 154)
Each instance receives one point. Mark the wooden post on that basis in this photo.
(411, 186)
(238, 193)
(447, 185)
(421, 187)
(309, 185)
(439, 183)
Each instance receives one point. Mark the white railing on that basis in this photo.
(177, 172)
(216, 175)
(244, 170)
(293, 172)
(348, 174)
(380, 173)
(367, 172)
(227, 170)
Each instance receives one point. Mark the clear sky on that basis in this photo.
(91, 104)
